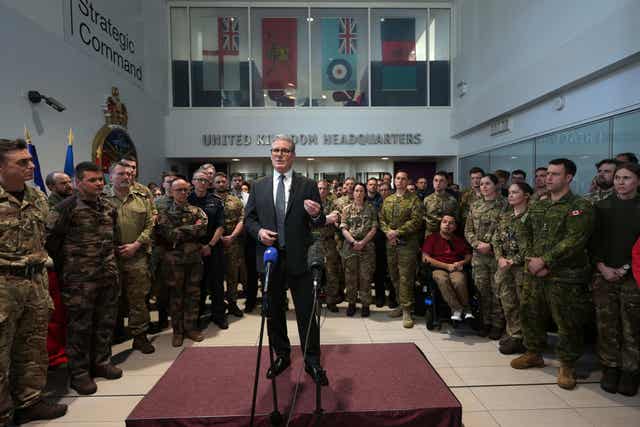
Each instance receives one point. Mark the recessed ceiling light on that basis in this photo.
(310, 158)
(384, 158)
(235, 160)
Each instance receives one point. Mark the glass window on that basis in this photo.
(280, 44)
(481, 160)
(626, 134)
(399, 57)
(219, 52)
(339, 57)
(585, 145)
(180, 56)
(512, 157)
(439, 57)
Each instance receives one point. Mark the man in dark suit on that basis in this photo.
(280, 212)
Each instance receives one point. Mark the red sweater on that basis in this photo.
(447, 251)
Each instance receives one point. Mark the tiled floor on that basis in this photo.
(491, 393)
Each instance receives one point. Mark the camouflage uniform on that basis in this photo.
(54, 199)
(539, 196)
(178, 232)
(338, 205)
(135, 223)
(558, 232)
(333, 266)
(508, 242)
(234, 254)
(156, 264)
(359, 266)
(25, 304)
(468, 198)
(404, 214)
(481, 224)
(91, 289)
(595, 196)
(435, 207)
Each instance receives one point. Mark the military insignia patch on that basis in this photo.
(576, 212)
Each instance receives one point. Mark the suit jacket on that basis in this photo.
(260, 212)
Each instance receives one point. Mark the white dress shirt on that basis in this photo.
(288, 177)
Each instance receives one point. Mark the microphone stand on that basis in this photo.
(275, 416)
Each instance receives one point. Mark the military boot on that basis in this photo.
(83, 384)
(396, 312)
(177, 340)
(41, 410)
(567, 377)
(609, 380)
(628, 384)
(141, 342)
(528, 360)
(351, 310)
(108, 371)
(407, 319)
(511, 345)
(194, 335)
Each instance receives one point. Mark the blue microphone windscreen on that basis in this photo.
(270, 255)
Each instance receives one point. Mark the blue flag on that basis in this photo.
(339, 54)
(68, 161)
(37, 173)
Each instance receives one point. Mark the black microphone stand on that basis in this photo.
(275, 416)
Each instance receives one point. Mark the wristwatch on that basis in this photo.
(626, 268)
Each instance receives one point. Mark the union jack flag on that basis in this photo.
(230, 32)
(348, 36)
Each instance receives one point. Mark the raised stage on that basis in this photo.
(370, 385)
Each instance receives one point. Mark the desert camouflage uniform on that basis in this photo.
(234, 254)
(482, 222)
(178, 232)
(435, 207)
(558, 232)
(25, 304)
(404, 214)
(359, 266)
(333, 265)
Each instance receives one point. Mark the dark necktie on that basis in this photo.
(280, 211)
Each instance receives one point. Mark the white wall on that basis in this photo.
(36, 56)
(514, 52)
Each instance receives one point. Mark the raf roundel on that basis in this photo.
(339, 71)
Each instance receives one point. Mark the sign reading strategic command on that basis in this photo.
(108, 29)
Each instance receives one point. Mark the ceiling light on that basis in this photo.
(235, 160)
(310, 158)
(384, 158)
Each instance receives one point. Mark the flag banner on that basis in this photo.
(398, 54)
(37, 173)
(279, 53)
(339, 53)
(221, 54)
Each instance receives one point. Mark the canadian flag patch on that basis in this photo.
(576, 212)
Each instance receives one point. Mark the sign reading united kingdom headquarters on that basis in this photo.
(109, 29)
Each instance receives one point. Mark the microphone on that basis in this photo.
(315, 262)
(270, 259)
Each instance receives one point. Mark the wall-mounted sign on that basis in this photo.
(213, 140)
(108, 29)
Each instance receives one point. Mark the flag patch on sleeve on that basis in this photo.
(576, 212)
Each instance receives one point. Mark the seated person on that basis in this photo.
(447, 254)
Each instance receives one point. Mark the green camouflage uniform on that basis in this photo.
(558, 232)
(508, 242)
(135, 223)
(404, 214)
(359, 266)
(156, 264)
(178, 232)
(234, 254)
(54, 199)
(539, 196)
(91, 288)
(467, 198)
(435, 207)
(25, 304)
(338, 205)
(482, 222)
(595, 196)
(333, 266)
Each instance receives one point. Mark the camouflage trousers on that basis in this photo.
(136, 283)
(234, 266)
(358, 274)
(25, 307)
(402, 261)
(618, 319)
(92, 308)
(484, 270)
(339, 242)
(509, 283)
(453, 287)
(183, 281)
(333, 269)
(158, 275)
(570, 307)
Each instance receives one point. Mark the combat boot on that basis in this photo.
(628, 384)
(194, 335)
(108, 371)
(609, 380)
(141, 342)
(528, 360)
(407, 319)
(177, 340)
(41, 410)
(495, 333)
(567, 377)
(511, 345)
(396, 312)
(83, 384)
(351, 310)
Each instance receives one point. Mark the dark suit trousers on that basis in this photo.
(302, 292)
(251, 287)
(213, 283)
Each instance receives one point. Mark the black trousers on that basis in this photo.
(251, 287)
(302, 292)
(213, 283)
(380, 275)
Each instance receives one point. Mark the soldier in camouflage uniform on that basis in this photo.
(333, 266)
(84, 225)
(178, 231)
(401, 220)
(556, 231)
(438, 204)
(60, 186)
(615, 293)
(25, 304)
(132, 162)
(471, 195)
(232, 240)
(540, 184)
(135, 225)
(339, 204)
(604, 181)
(508, 247)
(359, 222)
(481, 224)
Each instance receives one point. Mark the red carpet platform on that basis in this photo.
(370, 385)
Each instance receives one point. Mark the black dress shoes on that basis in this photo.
(318, 374)
(279, 365)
